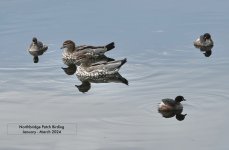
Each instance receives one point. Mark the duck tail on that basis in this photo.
(110, 46)
(124, 81)
(45, 48)
(122, 62)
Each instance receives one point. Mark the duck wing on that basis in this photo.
(168, 101)
(95, 50)
(41, 46)
(108, 66)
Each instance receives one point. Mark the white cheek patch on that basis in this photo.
(198, 40)
(161, 104)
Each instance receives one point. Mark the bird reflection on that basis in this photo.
(172, 113)
(206, 50)
(70, 70)
(85, 86)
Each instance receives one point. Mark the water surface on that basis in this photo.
(156, 38)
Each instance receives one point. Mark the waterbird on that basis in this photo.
(86, 68)
(204, 40)
(36, 49)
(69, 55)
(169, 104)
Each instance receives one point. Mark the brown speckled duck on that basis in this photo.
(71, 51)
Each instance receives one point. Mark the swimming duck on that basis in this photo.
(170, 104)
(36, 49)
(71, 51)
(86, 68)
(204, 40)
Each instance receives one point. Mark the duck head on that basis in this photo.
(207, 36)
(179, 99)
(70, 45)
(34, 40)
(85, 59)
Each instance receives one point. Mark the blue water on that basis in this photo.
(156, 37)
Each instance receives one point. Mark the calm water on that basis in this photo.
(155, 36)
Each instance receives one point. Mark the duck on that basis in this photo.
(36, 49)
(169, 104)
(86, 68)
(204, 40)
(69, 55)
